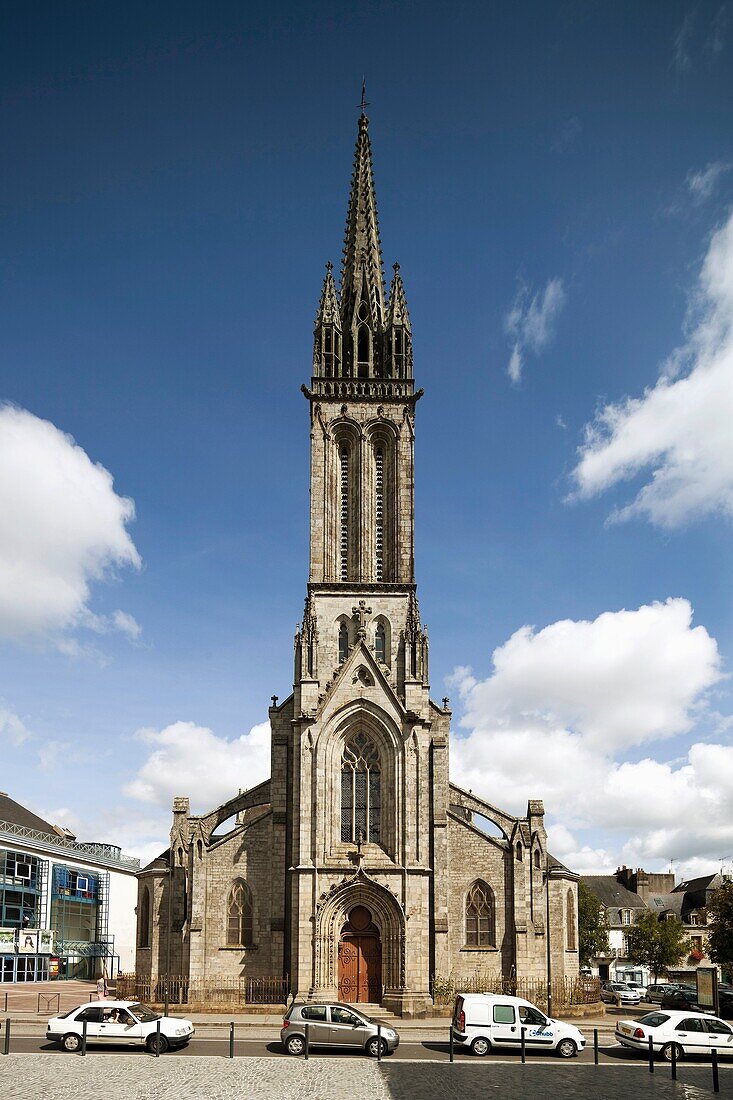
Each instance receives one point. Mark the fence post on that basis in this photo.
(651, 1055)
(157, 1038)
(6, 1000)
(166, 1002)
(451, 1041)
(307, 1040)
(231, 1039)
(6, 1047)
(595, 1045)
(83, 1038)
(674, 1061)
(524, 1045)
(716, 1080)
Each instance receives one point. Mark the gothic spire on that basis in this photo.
(328, 307)
(361, 270)
(397, 313)
(327, 334)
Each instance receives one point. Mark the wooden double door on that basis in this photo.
(360, 960)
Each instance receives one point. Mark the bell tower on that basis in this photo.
(362, 409)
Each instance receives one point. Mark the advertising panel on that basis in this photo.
(707, 988)
(27, 941)
(7, 941)
(46, 938)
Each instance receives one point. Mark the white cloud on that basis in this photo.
(191, 760)
(12, 728)
(703, 183)
(531, 322)
(564, 705)
(679, 431)
(682, 43)
(62, 527)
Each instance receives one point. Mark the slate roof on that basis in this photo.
(667, 903)
(693, 885)
(611, 893)
(12, 811)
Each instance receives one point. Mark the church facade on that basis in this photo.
(358, 870)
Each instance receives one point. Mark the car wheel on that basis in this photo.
(667, 1051)
(480, 1046)
(153, 1043)
(566, 1048)
(295, 1045)
(71, 1042)
(372, 1047)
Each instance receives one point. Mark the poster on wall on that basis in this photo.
(7, 941)
(53, 967)
(27, 941)
(45, 941)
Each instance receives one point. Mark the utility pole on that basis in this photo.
(547, 936)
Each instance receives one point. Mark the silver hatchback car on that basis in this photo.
(335, 1025)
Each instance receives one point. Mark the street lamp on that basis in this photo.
(547, 937)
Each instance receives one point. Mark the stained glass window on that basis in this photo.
(239, 915)
(480, 926)
(360, 790)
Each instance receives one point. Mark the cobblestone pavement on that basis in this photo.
(118, 1077)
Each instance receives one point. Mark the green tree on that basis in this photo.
(658, 944)
(720, 927)
(592, 926)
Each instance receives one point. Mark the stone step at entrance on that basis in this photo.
(377, 1011)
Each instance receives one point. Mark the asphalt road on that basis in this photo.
(423, 1050)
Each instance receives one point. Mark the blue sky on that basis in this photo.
(555, 180)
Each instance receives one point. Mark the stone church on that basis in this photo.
(358, 870)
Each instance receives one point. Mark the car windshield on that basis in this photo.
(144, 1014)
(653, 1019)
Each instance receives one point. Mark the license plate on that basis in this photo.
(625, 1030)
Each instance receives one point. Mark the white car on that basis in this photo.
(484, 1021)
(688, 1032)
(618, 993)
(118, 1023)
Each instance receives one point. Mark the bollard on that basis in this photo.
(450, 1044)
(231, 1040)
(6, 1000)
(307, 1040)
(83, 1038)
(716, 1080)
(6, 1047)
(524, 1044)
(595, 1045)
(651, 1055)
(157, 1038)
(674, 1061)
(379, 1042)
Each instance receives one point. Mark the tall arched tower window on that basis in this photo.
(380, 643)
(570, 920)
(360, 790)
(480, 919)
(379, 512)
(343, 643)
(344, 514)
(239, 915)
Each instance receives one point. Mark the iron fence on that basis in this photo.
(223, 992)
(565, 991)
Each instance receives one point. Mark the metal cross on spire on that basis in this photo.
(363, 105)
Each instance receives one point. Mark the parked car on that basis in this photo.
(683, 1032)
(639, 987)
(119, 1023)
(683, 997)
(654, 993)
(725, 1003)
(337, 1025)
(482, 1021)
(618, 993)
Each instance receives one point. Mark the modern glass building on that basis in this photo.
(67, 909)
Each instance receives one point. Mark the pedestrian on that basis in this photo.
(102, 986)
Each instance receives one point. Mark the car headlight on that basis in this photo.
(182, 1031)
(388, 1034)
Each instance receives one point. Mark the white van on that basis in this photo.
(482, 1021)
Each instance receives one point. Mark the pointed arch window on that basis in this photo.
(360, 790)
(143, 920)
(344, 516)
(519, 851)
(570, 920)
(480, 916)
(363, 349)
(343, 643)
(379, 512)
(537, 858)
(239, 915)
(380, 643)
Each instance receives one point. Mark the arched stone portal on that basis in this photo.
(360, 938)
(360, 959)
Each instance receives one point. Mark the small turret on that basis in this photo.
(398, 333)
(327, 342)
